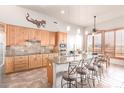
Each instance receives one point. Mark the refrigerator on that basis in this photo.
(2, 53)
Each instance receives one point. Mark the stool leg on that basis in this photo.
(61, 83)
(88, 82)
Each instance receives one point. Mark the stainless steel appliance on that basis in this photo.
(63, 49)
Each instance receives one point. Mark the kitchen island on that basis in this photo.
(57, 66)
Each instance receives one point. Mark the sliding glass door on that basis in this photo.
(119, 48)
(97, 42)
(109, 48)
(89, 43)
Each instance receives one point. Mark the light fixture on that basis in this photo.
(62, 11)
(68, 28)
(94, 29)
(78, 30)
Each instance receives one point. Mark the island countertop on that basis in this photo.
(66, 59)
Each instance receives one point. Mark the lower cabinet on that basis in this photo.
(9, 65)
(20, 63)
(45, 56)
(35, 61)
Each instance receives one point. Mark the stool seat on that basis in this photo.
(92, 68)
(81, 71)
(68, 77)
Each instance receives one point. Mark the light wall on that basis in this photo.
(16, 15)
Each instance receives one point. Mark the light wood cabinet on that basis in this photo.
(35, 61)
(16, 35)
(20, 63)
(50, 72)
(9, 65)
(65, 37)
(45, 57)
(52, 38)
(45, 38)
(51, 56)
(19, 35)
(31, 34)
(10, 35)
(61, 37)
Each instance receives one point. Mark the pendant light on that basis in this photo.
(94, 29)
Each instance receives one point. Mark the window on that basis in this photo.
(90, 43)
(119, 50)
(97, 43)
(109, 43)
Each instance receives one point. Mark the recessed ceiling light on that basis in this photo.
(68, 28)
(62, 11)
(78, 30)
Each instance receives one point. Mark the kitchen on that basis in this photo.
(38, 47)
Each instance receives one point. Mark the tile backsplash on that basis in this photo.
(29, 47)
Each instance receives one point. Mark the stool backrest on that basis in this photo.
(72, 67)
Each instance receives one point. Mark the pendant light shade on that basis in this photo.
(94, 29)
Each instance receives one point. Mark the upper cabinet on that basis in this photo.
(45, 38)
(10, 35)
(52, 38)
(17, 35)
(61, 37)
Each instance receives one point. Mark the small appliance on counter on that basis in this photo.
(62, 49)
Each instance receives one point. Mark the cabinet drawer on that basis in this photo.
(45, 56)
(21, 67)
(21, 60)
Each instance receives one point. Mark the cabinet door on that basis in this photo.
(61, 39)
(51, 38)
(10, 35)
(39, 61)
(19, 35)
(9, 64)
(32, 61)
(35, 61)
(31, 34)
(26, 34)
(45, 57)
(45, 38)
(65, 37)
(38, 35)
(51, 56)
(20, 63)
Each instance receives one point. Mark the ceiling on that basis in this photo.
(80, 14)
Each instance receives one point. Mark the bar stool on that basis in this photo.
(70, 76)
(93, 72)
(98, 62)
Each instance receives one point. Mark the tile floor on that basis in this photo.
(37, 78)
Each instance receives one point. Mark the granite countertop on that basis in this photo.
(26, 53)
(65, 60)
